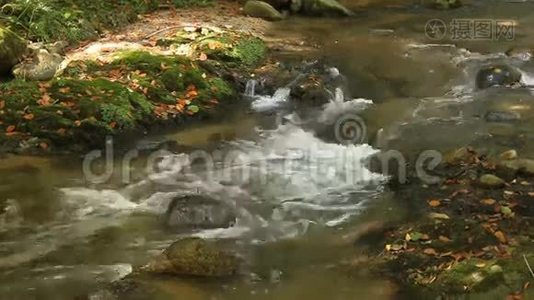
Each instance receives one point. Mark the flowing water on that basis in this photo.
(293, 194)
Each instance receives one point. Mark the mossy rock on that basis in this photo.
(12, 47)
(260, 9)
(443, 4)
(325, 8)
(194, 257)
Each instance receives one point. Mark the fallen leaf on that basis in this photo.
(64, 90)
(113, 124)
(28, 117)
(434, 203)
(77, 123)
(500, 236)
(203, 57)
(438, 216)
(11, 128)
(61, 131)
(43, 146)
(430, 251)
(2, 104)
(444, 239)
(488, 201)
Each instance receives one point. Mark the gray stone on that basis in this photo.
(193, 257)
(12, 48)
(502, 116)
(42, 67)
(443, 4)
(491, 181)
(196, 211)
(260, 9)
(508, 155)
(295, 6)
(500, 75)
(325, 8)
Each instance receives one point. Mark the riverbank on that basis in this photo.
(172, 66)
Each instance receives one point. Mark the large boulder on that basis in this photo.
(500, 75)
(43, 66)
(12, 48)
(196, 211)
(325, 8)
(193, 257)
(260, 9)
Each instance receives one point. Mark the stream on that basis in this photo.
(291, 194)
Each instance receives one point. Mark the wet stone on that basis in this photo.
(197, 211)
(491, 181)
(502, 116)
(500, 75)
(193, 257)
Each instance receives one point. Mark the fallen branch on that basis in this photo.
(161, 30)
(528, 265)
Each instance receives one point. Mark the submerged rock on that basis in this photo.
(196, 211)
(193, 257)
(443, 4)
(325, 8)
(501, 75)
(43, 66)
(508, 155)
(514, 166)
(491, 181)
(502, 116)
(260, 9)
(12, 48)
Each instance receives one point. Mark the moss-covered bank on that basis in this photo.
(132, 92)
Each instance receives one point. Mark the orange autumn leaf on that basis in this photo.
(191, 94)
(113, 124)
(11, 128)
(28, 117)
(64, 90)
(430, 251)
(45, 100)
(434, 203)
(501, 237)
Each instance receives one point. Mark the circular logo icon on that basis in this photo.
(350, 129)
(435, 29)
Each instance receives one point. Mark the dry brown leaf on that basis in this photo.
(2, 104)
(430, 251)
(444, 239)
(11, 128)
(43, 146)
(434, 203)
(28, 117)
(500, 236)
(488, 201)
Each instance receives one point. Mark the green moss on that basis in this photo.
(250, 50)
(237, 50)
(72, 20)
